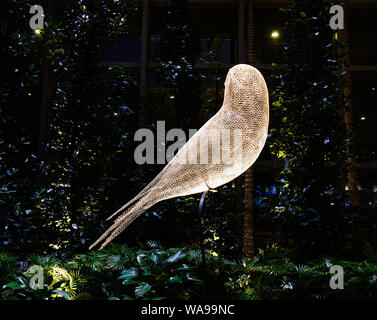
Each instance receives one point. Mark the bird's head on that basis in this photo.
(244, 84)
(239, 75)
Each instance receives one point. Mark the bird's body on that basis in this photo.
(245, 112)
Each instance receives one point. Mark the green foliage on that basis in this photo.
(273, 275)
(153, 273)
(115, 273)
(92, 123)
(8, 266)
(20, 78)
(55, 198)
(51, 201)
(308, 133)
(180, 27)
(158, 275)
(177, 51)
(64, 284)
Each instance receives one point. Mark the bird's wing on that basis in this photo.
(175, 170)
(178, 178)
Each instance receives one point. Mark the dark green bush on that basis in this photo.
(308, 134)
(272, 275)
(153, 273)
(116, 273)
(52, 187)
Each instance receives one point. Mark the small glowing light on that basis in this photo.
(37, 31)
(29, 94)
(275, 34)
(373, 89)
(172, 97)
(362, 118)
(346, 188)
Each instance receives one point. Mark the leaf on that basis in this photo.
(142, 289)
(228, 262)
(189, 277)
(64, 294)
(154, 257)
(12, 285)
(175, 257)
(175, 279)
(129, 282)
(139, 259)
(183, 267)
(128, 274)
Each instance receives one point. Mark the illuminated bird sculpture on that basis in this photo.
(243, 119)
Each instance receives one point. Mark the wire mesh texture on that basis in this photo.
(221, 150)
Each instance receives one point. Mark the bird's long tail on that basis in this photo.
(138, 206)
(123, 208)
(147, 190)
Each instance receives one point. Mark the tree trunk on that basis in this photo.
(248, 228)
(352, 178)
(47, 89)
(248, 222)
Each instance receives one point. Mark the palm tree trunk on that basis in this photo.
(248, 228)
(47, 89)
(352, 177)
(248, 222)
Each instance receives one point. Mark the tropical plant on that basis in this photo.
(273, 275)
(114, 273)
(153, 273)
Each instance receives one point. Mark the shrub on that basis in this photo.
(272, 275)
(116, 273)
